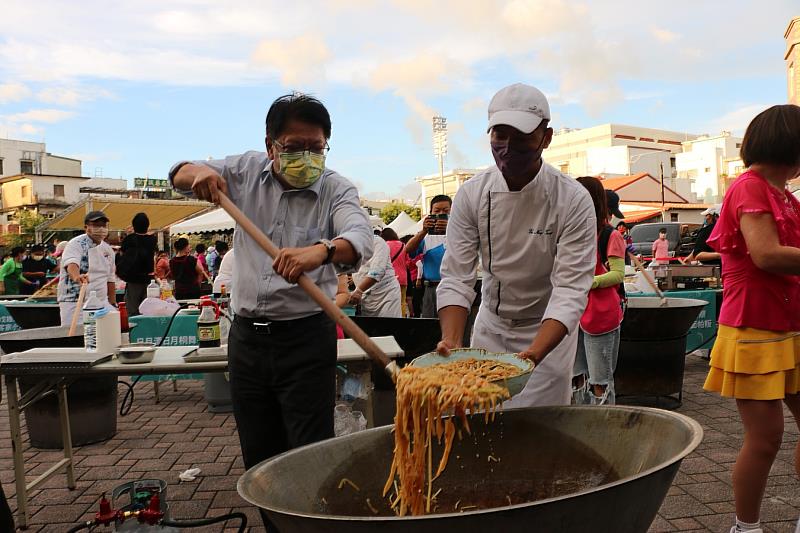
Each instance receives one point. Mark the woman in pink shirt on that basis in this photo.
(598, 335)
(756, 358)
(661, 248)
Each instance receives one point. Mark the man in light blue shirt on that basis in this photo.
(282, 349)
(430, 242)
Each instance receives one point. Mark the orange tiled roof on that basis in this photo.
(616, 184)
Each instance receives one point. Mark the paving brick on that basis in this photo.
(682, 507)
(686, 524)
(710, 492)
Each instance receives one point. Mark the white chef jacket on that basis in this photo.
(383, 298)
(537, 251)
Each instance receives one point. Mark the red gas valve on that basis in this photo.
(152, 515)
(106, 515)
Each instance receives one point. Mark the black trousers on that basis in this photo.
(283, 383)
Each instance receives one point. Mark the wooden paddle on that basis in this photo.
(649, 278)
(307, 284)
(77, 311)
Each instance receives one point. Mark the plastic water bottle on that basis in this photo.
(153, 290)
(90, 309)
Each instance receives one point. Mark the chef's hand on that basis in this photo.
(355, 297)
(82, 279)
(445, 346)
(207, 184)
(530, 355)
(290, 263)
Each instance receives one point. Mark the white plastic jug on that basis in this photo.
(109, 334)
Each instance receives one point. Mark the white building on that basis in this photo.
(615, 150)
(48, 195)
(26, 157)
(707, 163)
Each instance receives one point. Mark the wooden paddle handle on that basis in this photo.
(307, 284)
(646, 275)
(77, 311)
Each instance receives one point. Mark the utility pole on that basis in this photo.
(663, 212)
(440, 144)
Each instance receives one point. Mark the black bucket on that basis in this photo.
(92, 401)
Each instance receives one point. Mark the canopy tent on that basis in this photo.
(120, 212)
(214, 221)
(404, 225)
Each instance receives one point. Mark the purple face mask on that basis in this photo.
(514, 163)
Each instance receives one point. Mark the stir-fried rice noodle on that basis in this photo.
(425, 396)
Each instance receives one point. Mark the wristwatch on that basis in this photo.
(330, 247)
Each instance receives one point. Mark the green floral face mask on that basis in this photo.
(301, 169)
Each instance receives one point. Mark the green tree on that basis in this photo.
(391, 211)
(27, 220)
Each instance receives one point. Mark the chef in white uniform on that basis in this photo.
(87, 259)
(533, 230)
(377, 288)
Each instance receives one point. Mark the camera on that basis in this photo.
(441, 216)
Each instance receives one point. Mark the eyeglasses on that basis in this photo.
(294, 148)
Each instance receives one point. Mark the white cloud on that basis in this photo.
(736, 120)
(72, 96)
(13, 92)
(48, 116)
(664, 35)
(298, 61)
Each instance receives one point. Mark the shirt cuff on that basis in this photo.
(451, 292)
(566, 305)
(174, 170)
(353, 237)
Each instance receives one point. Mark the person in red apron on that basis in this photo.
(598, 332)
(533, 230)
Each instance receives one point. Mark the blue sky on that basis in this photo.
(132, 86)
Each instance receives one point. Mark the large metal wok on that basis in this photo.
(561, 468)
(92, 400)
(652, 349)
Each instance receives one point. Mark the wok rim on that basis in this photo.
(696, 431)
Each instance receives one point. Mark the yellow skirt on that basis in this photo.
(754, 364)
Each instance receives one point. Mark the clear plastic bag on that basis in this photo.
(158, 307)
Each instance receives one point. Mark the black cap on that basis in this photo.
(94, 216)
(612, 199)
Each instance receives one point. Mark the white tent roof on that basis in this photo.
(403, 225)
(214, 221)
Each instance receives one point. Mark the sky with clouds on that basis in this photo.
(132, 86)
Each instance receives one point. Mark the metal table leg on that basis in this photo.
(16, 448)
(66, 433)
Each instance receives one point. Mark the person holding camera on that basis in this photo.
(534, 231)
(430, 242)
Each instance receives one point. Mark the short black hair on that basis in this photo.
(181, 244)
(141, 223)
(17, 250)
(297, 106)
(200, 248)
(441, 198)
(221, 247)
(623, 224)
(37, 248)
(662, 230)
(388, 234)
(773, 137)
